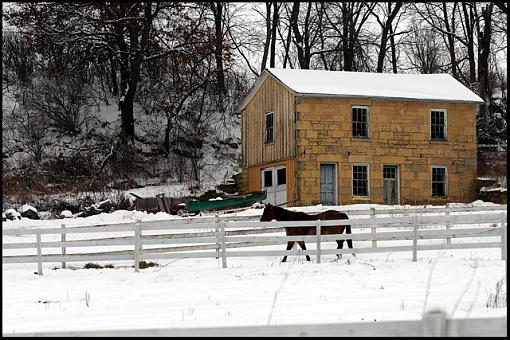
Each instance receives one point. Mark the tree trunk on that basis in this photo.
(484, 45)
(113, 76)
(469, 21)
(218, 51)
(272, 54)
(393, 52)
(268, 36)
(450, 38)
(297, 35)
(387, 29)
(382, 50)
(347, 37)
(168, 129)
(287, 46)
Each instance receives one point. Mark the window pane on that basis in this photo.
(359, 122)
(280, 177)
(438, 182)
(269, 127)
(268, 178)
(389, 172)
(437, 125)
(360, 180)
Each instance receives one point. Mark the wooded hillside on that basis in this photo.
(118, 94)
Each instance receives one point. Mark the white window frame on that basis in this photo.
(368, 179)
(265, 127)
(445, 111)
(368, 120)
(445, 180)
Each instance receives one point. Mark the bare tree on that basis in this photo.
(348, 19)
(390, 11)
(306, 31)
(127, 30)
(27, 132)
(424, 50)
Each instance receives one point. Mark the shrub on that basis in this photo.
(497, 299)
(91, 265)
(143, 264)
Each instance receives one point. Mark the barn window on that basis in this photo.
(281, 177)
(438, 124)
(268, 178)
(439, 181)
(269, 128)
(360, 121)
(360, 180)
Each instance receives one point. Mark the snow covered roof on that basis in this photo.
(421, 87)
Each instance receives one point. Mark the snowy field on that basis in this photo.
(189, 292)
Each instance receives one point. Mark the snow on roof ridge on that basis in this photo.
(375, 85)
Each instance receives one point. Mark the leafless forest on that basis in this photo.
(101, 94)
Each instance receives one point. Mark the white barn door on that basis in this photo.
(274, 181)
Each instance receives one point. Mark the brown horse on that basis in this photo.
(272, 212)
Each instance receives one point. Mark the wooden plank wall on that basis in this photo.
(270, 97)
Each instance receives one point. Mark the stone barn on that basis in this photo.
(333, 138)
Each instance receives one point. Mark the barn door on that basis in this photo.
(274, 181)
(390, 190)
(328, 184)
(281, 186)
(267, 185)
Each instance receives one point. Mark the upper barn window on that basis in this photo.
(360, 121)
(269, 138)
(438, 124)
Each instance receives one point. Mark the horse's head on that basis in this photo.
(267, 214)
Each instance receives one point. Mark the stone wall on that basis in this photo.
(399, 134)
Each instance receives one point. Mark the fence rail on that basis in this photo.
(434, 323)
(236, 232)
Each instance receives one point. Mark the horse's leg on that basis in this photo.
(340, 246)
(302, 244)
(349, 241)
(348, 231)
(290, 244)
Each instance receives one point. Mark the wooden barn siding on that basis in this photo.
(399, 134)
(255, 182)
(271, 96)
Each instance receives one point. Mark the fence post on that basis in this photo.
(373, 229)
(415, 241)
(448, 239)
(503, 239)
(434, 323)
(140, 245)
(318, 232)
(223, 245)
(136, 250)
(63, 239)
(39, 252)
(217, 234)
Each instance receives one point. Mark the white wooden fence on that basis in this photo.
(241, 232)
(434, 323)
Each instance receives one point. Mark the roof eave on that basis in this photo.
(324, 95)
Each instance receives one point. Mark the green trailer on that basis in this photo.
(195, 206)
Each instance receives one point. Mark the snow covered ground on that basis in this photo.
(250, 291)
